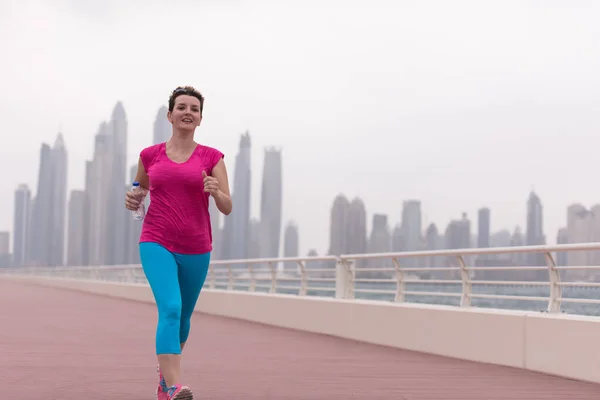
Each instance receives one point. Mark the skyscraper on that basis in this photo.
(22, 213)
(483, 228)
(49, 210)
(338, 225)
(237, 224)
(534, 235)
(4, 249)
(58, 201)
(116, 213)
(76, 228)
(134, 228)
(41, 221)
(291, 244)
(162, 126)
(270, 205)
(98, 194)
(380, 241)
(412, 230)
(356, 228)
(89, 170)
(216, 230)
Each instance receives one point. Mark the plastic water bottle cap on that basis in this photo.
(136, 184)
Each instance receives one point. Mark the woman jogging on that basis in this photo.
(176, 238)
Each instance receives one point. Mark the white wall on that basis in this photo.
(556, 344)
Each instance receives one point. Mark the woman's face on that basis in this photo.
(186, 113)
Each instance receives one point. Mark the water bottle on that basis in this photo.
(139, 214)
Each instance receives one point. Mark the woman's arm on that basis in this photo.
(133, 200)
(221, 195)
(141, 176)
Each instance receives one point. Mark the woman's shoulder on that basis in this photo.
(210, 155)
(210, 151)
(148, 154)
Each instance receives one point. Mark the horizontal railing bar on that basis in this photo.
(433, 281)
(479, 251)
(575, 300)
(511, 268)
(508, 297)
(320, 289)
(416, 269)
(438, 294)
(375, 291)
(580, 284)
(380, 269)
(516, 283)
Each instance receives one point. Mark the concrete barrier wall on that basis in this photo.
(560, 345)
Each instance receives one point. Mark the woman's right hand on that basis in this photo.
(132, 200)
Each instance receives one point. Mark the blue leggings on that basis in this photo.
(176, 281)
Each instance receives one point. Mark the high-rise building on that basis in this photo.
(237, 224)
(4, 249)
(116, 212)
(162, 127)
(412, 230)
(40, 242)
(458, 236)
(483, 238)
(89, 171)
(380, 241)
(583, 226)
(561, 257)
(483, 228)
(253, 242)
(97, 182)
(22, 211)
(534, 235)
(48, 223)
(58, 201)
(291, 244)
(338, 226)
(356, 227)
(398, 243)
(31, 234)
(433, 242)
(216, 230)
(76, 230)
(271, 204)
(134, 228)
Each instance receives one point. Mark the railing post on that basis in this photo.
(273, 277)
(467, 289)
(252, 287)
(344, 279)
(399, 281)
(303, 279)
(554, 301)
(212, 277)
(229, 278)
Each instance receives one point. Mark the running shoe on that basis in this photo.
(161, 391)
(179, 392)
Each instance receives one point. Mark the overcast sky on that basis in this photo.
(461, 104)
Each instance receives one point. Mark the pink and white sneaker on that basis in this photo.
(179, 392)
(161, 391)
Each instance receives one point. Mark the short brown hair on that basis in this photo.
(187, 90)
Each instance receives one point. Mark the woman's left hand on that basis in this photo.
(211, 184)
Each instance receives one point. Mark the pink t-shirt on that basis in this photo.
(178, 216)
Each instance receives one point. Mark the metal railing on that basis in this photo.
(384, 276)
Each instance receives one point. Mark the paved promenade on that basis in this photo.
(59, 344)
